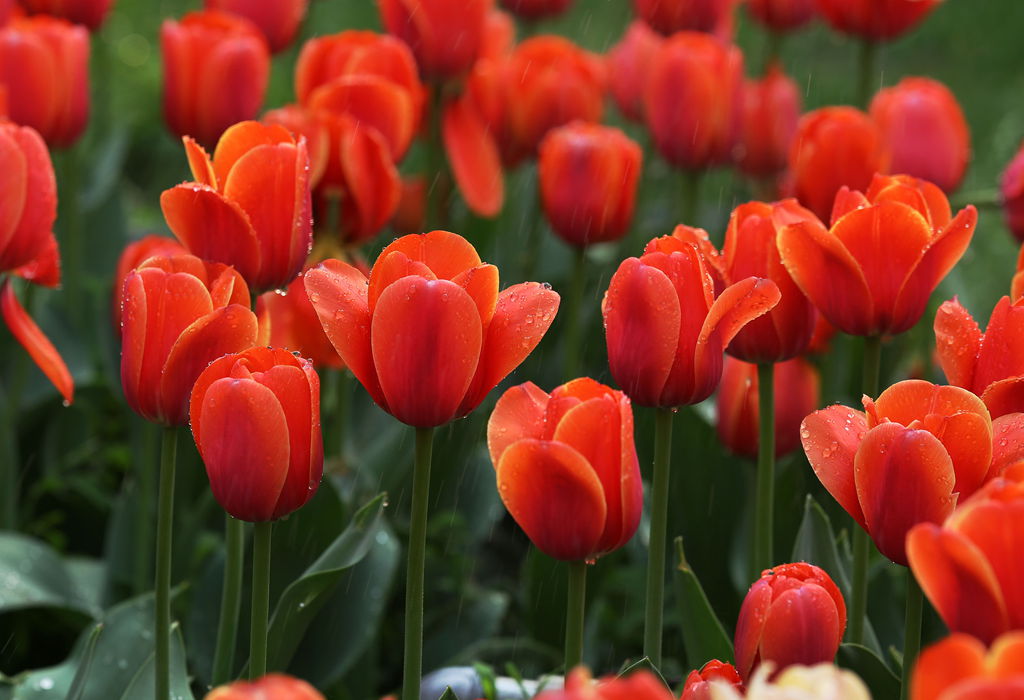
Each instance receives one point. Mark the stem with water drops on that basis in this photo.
(764, 509)
(413, 668)
(260, 599)
(656, 547)
(574, 611)
(165, 523)
(230, 601)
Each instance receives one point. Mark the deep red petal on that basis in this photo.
(518, 414)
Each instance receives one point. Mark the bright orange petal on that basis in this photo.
(199, 162)
(943, 665)
(474, 158)
(446, 254)
(518, 414)
(830, 438)
(28, 334)
(241, 138)
(957, 343)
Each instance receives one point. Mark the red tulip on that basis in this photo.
(782, 15)
(249, 206)
(6, 10)
(91, 13)
(179, 314)
(771, 110)
(445, 35)
(904, 461)
(834, 147)
(216, 67)
(410, 217)
(887, 250)
(44, 71)
(925, 130)
(537, 9)
(313, 127)
(428, 334)
(794, 614)
(960, 668)
(295, 326)
(665, 328)
(642, 685)
(567, 468)
(274, 686)
(698, 683)
(133, 255)
(970, 567)
(671, 16)
(1011, 188)
(628, 63)
(692, 100)
(738, 412)
(875, 19)
(279, 20)
(588, 178)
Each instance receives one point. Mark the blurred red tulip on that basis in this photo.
(1011, 188)
(641, 685)
(925, 130)
(255, 417)
(771, 111)
(698, 683)
(6, 10)
(537, 9)
(794, 614)
(628, 64)
(91, 13)
(960, 668)
(249, 206)
(905, 460)
(44, 71)
(274, 686)
(428, 335)
(692, 100)
(216, 67)
(737, 406)
(133, 255)
(970, 568)
(445, 35)
(295, 326)
(567, 468)
(310, 125)
(671, 16)
(665, 328)
(834, 147)
(410, 216)
(874, 270)
(782, 15)
(588, 176)
(279, 20)
(874, 19)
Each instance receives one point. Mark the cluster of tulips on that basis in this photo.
(223, 328)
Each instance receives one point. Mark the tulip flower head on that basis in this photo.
(960, 668)
(698, 683)
(793, 614)
(1011, 188)
(279, 20)
(91, 13)
(875, 19)
(642, 685)
(671, 16)
(428, 334)
(274, 686)
(771, 111)
(445, 35)
(628, 62)
(295, 326)
(133, 255)
(311, 126)
(781, 15)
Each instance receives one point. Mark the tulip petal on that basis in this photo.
(372, 183)
(802, 627)
(554, 495)
(426, 338)
(1005, 397)
(230, 86)
(947, 663)
(997, 530)
(750, 626)
(241, 138)
(389, 269)
(518, 414)
(1007, 442)
(13, 187)
(447, 254)
(374, 102)
(957, 343)
(39, 348)
(474, 158)
(830, 438)
(44, 269)
(481, 283)
(738, 305)
(199, 162)
(34, 223)
(1001, 354)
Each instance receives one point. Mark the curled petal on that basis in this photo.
(957, 343)
(518, 414)
(830, 438)
(750, 626)
(474, 157)
(28, 334)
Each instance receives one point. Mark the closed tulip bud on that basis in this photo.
(537, 9)
(429, 335)
(274, 686)
(771, 111)
(924, 130)
(249, 206)
(738, 412)
(588, 177)
(91, 13)
(794, 614)
(692, 100)
(178, 315)
(671, 16)
(628, 62)
(666, 328)
(904, 460)
(295, 326)
(698, 683)
(873, 271)
(782, 15)
(641, 685)
(567, 468)
(216, 68)
(875, 19)
(133, 255)
(499, 35)
(445, 35)
(44, 71)
(1011, 189)
(961, 668)
(279, 20)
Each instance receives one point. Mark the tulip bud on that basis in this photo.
(782, 15)
(671, 16)
(445, 35)
(771, 110)
(279, 20)
(274, 686)
(133, 255)
(628, 62)
(91, 13)
(698, 683)
(1011, 188)
(874, 20)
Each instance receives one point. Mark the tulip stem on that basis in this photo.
(260, 599)
(872, 364)
(573, 320)
(690, 198)
(656, 546)
(574, 611)
(164, 530)
(144, 509)
(413, 669)
(764, 517)
(867, 70)
(912, 631)
(437, 188)
(230, 600)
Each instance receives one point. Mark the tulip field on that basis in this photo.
(501, 349)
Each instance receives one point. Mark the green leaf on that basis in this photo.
(703, 634)
(644, 664)
(142, 684)
(84, 664)
(448, 694)
(33, 575)
(881, 681)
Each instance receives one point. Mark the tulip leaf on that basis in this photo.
(143, 682)
(32, 575)
(881, 681)
(644, 664)
(84, 663)
(448, 694)
(303, 599)
(703, 634)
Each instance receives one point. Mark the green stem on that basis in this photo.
(690, 198)
(867, 72)
(573, 321)
(230, 600)
(659, 524)
(534, 229)
(764, 518)
(146, 470)
(872, 364)
(772, 49)
(990, 198)
(340, 400)
(70, 218)
(9, 486)
(574, 611)
(413, 669)
(912, 638)
(164, 530)
(260, 599)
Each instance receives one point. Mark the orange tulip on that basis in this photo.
(925, 130)
(960, 668)
(249, 206)
(1011, 188)
(428, 335)
(875, 19)
(567, 468)
(671, 16)
(445, 35)
(537, 9)
(905, 460)
(642, 685)
(310, 125)
(698, 683)
(588, 178)
(295, 326)
(216, 68)
(782, 15)
(628, 63)
(771, 110)
(665, 327)
(279, 20)
(887, 250)
(91, 13)
(274, 686)
(44, 71)
(692, 100)
(970, 566)
(179, 314)
(133, 255)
